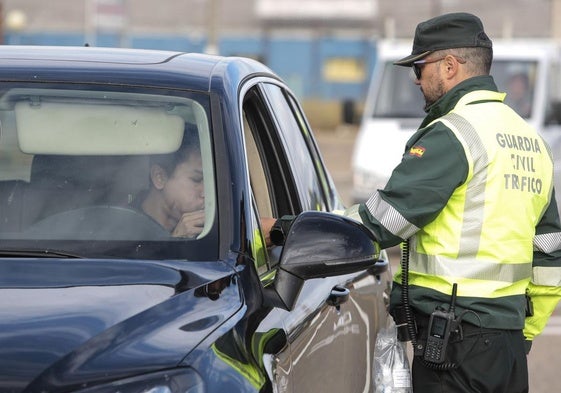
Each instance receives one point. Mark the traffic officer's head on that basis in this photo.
(446, 51)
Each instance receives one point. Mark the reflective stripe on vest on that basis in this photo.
(545, 275)
(389, 217)
(548, 242)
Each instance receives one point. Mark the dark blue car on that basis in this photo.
(135, 192)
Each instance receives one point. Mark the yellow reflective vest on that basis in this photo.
(483, 238)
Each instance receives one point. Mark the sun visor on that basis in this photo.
(89, 129)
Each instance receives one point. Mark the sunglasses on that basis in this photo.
(417, 65)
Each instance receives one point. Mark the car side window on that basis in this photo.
(273, 189)
(261, 205)
(309, 176)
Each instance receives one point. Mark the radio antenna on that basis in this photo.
(453, 300)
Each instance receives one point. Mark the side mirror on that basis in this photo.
(321, 244)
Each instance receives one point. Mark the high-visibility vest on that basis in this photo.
(483, 238)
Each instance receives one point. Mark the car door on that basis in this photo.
(329, 345)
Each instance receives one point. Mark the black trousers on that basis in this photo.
(487, 360)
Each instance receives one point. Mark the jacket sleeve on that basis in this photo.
(544, 288)
(432, 167)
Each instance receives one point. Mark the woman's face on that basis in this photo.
(184, 189)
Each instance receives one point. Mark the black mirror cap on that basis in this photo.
(321, 244)
(318, 245)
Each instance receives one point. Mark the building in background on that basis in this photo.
(324, 49)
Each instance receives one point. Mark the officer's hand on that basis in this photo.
(266, 225)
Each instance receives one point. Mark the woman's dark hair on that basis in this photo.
(189, 144)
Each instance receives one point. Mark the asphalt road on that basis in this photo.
(544, 360)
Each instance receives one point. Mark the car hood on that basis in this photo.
(68, 323)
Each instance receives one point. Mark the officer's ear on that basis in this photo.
(451, 64)
(452, 71)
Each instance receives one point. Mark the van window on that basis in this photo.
(398, 95)
(517, 79)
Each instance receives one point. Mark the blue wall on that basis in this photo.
(298, 61)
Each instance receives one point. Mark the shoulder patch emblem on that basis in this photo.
(417, 151)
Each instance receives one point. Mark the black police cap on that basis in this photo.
(454, 30)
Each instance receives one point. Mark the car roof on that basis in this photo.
(128, 66)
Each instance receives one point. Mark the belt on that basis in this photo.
(467, 328)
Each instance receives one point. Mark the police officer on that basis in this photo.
(474, 196)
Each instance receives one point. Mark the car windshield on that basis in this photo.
(399, 97)
(105, 173)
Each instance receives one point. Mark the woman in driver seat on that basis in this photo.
(176, 196)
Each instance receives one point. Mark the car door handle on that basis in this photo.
(339, 295)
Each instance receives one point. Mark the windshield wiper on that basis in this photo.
(34, 253)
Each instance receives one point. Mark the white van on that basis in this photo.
(394, 106)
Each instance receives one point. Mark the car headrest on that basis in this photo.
(123, 174)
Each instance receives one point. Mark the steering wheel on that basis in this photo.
(99, 223)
